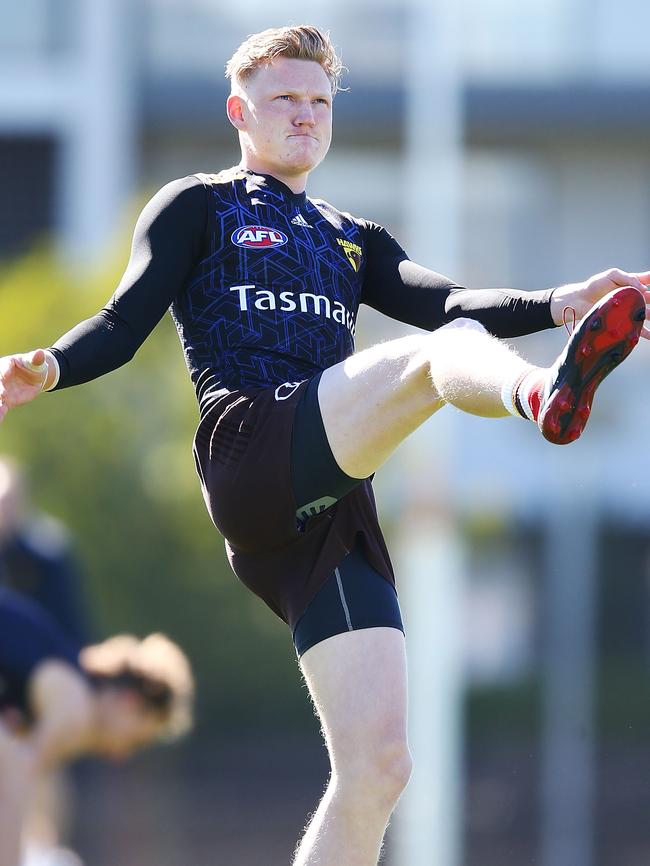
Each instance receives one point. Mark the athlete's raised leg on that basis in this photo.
(357, 681)
(371, 401)
(374, 399)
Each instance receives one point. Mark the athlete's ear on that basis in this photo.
(235, 111)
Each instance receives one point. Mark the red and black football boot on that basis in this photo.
(601, 340)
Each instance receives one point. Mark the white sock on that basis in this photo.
(520, 394)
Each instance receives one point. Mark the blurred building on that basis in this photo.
(98, 99)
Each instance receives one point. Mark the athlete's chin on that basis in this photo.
(303, 167)
(299, 163)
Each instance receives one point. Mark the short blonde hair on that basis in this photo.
(155, 668)
(299, 42)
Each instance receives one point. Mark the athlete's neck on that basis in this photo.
(297, 183)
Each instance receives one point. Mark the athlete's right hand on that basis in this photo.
(22, 378)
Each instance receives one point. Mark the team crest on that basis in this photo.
(352, 252)
(258, 237)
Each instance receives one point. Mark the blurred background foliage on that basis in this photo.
(113, 460)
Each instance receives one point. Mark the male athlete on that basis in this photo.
(59, 700)
(264, 286)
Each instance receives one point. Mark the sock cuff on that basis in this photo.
(524, 404)
(511, 399)
(509, 395)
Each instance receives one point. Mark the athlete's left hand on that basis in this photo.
(582, 296)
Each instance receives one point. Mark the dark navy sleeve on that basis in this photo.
(167, 242)
(38, 563)
(61, 594)
(409, 293)
(28, 637)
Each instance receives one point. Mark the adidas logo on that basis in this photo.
(299, 220)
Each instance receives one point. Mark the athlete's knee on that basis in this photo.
(454, 346)
(380, 771)
(464, 324)
(449, 340)
(394, 766)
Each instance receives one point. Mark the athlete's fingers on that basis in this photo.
(38, 357)
(34, 362)
(644, 276)
(618, 277)
(623, 278)
(636, 282)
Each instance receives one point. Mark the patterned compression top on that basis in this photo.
(264, 286)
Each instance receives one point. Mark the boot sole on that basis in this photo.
(602, 340)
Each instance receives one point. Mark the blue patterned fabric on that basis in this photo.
(276, 297)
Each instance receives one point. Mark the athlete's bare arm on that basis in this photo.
(18, 776)
(62, 704)
(63, 711)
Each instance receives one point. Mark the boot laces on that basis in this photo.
(566, 313)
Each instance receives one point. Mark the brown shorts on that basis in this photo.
(242, 450)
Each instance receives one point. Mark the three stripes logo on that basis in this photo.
(299, 220)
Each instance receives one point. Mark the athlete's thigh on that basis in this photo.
(357, 680)
(373, 400)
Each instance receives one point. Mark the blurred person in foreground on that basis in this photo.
(265, 285)
(59, 701)
(36, 561)
(35, 555)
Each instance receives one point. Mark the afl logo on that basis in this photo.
(258, 237)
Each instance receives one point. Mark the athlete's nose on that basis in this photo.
(305, 115)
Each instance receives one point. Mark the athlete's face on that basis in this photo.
(284, 116)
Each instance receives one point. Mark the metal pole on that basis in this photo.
(427, 826)
(99, 148)
(569, 650)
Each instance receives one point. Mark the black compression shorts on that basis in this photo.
(317, 479)
(355, 596)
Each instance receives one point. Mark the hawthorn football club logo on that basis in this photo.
(352, 252)
(258, 237)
